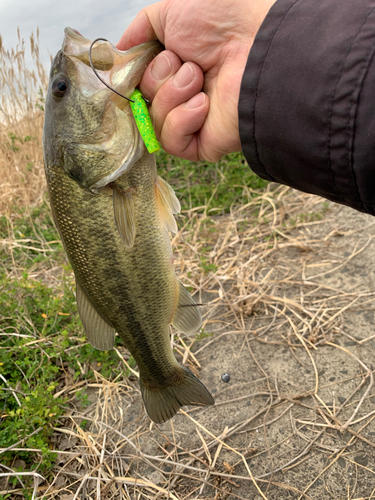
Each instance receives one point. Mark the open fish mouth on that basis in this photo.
(74, 31)
(121, 70)
(74, 42)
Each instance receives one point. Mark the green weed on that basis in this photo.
(214, 186)
(207, 266)
(16, 142)
(203, 335)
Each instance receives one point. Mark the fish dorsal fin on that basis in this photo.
(187, 317)
(100, 334)
(123, 208)
(167, 203)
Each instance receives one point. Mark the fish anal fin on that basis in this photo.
(167, 203)
(100, 334)
(187, 317)
(163, 403)
(124, 212)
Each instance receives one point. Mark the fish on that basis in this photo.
(114, 214)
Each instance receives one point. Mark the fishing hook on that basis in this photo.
(97, 74)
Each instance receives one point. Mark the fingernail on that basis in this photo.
(161, 67)
(196, 101)
(184, 76)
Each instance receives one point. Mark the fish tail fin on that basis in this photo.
(164, 402)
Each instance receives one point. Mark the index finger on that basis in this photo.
(146, 27)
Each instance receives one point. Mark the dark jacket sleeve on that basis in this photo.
(307, 102)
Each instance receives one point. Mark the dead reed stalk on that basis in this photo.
(22, 93)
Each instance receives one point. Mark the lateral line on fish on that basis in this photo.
(191, 305)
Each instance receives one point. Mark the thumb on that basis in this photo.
(146, 27)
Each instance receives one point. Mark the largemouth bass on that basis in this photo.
(113, 213)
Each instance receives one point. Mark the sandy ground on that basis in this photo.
(295, 332)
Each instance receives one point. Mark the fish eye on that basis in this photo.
(60, 86)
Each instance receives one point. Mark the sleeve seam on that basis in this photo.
(257, 85)
(354, 99)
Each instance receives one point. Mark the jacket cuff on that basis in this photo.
(306, 104)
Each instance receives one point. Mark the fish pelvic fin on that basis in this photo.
(167, 203)
(186, 317)
(100, 334)
(163, 403)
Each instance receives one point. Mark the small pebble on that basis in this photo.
(225, 377)
(361, 459)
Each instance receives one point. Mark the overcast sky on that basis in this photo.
(92, 18)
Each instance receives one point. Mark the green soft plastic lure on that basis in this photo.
(138, 105)
(143, 121)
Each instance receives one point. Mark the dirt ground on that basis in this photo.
(290, 317)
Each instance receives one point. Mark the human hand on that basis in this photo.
(207, 45)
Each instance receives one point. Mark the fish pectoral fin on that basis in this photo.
(168, 195)
(187, 317)
(123, 208)
(167, 203)
(100, 334)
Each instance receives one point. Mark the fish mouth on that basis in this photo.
(73, 31)
(74, 43)
(121, 70)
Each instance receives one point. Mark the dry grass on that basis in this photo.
(22, 92)
(292, 423)
(269, 291)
